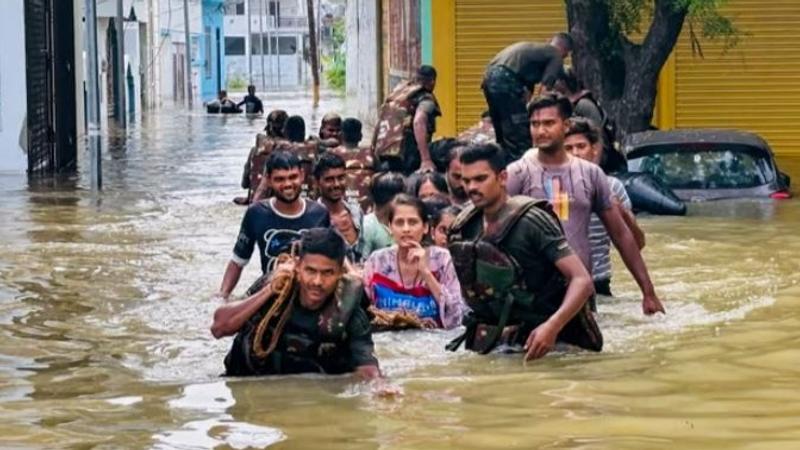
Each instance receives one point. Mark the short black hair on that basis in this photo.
(426, 73)
(282, 160)
(414, 202)
(486, 115)
(323, 241)
(385, 186)
(295, 129)
(326, 162)
(491, 153)
(548, 101)
(566, 39)
(351, 130)
(570, 79)
(435, 205)
(418, 179)
(276, 122)
(445, 150)
(584, 126)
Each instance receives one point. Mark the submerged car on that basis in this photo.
(707, 164)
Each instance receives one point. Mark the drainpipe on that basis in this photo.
(189, 90)
(93, 96)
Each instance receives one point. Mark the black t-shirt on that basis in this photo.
(533, 63)
(252, 104)
(274, 232)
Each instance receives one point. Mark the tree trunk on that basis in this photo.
(312, 49)
(622, 75)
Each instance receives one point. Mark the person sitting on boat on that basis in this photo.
(410, 278)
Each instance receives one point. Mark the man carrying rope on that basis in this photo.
(308, 318)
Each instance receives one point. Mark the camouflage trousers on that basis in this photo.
(506, 97)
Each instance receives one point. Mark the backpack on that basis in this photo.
(395, 119)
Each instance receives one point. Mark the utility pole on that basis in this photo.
(312, 50)
(248, 4)
(188, 38)
(93, 97)
(120, 75)
(261, 42)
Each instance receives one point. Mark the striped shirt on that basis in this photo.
(598, 237)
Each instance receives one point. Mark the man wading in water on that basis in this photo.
(319, 326)
(518, 274)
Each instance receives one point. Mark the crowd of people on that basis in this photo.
(510, 239)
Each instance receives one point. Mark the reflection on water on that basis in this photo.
(105, 303)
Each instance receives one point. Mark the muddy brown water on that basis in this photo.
(105, 303)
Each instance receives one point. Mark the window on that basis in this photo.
(234, 7)
(234, 46)
(283, 45)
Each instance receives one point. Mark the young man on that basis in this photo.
(576, 189)
(385, 186)
(330, 175)
(274, 224)
(518, 274)
(409, 143)
(458, 196)
(326, 330)
(252, 104)
(583, 140)
(358, 162)
(295, 143)
(509, 81)
(330, 131)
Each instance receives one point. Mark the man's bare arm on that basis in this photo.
(632, 257)
(232, 274)
(230, 317)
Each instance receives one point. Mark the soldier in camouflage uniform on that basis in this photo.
(358, 162)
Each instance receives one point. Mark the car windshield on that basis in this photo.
(704, 166)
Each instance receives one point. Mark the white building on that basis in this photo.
(13, 101)
(280, 28)
(171, 49)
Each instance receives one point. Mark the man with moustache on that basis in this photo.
(274, 223)
(518, 274)
(576, 189)
(331, 177)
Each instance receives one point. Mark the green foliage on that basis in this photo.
(335, 72)
(236, 83)
(628, 17)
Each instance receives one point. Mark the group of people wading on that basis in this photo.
(510, 240)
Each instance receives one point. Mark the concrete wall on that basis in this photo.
(212, 21)
(171, 31)
(12, 87)
(363, 59)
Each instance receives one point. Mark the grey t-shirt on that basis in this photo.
(598, 237)
(576, 189)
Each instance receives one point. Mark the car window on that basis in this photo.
(705, 166)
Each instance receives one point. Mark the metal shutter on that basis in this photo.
(483, 28)
(39, 79)
(756, 85)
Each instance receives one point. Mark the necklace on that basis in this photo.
(400, 273)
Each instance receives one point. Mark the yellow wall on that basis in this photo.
(754, 87)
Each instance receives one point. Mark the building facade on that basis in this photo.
(212, 50)
(754, 86)
(271, 52)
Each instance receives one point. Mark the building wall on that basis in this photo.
(279, 71)
(212, 22)
(12, 87)
(171, 32)
(363, 62)
(755, 86)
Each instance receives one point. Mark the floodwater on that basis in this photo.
(106, 300)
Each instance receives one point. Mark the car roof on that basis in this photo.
(687, 136)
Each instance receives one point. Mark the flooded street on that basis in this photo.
(106, 300)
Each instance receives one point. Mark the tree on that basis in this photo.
(312, 43)
(622, 73)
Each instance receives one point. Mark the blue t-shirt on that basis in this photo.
(274, 232)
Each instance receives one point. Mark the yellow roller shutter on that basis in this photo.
(756, 85)
(483, 28)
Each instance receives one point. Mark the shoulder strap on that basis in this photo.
(464, 217)
(346, 298)
(520, 204)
